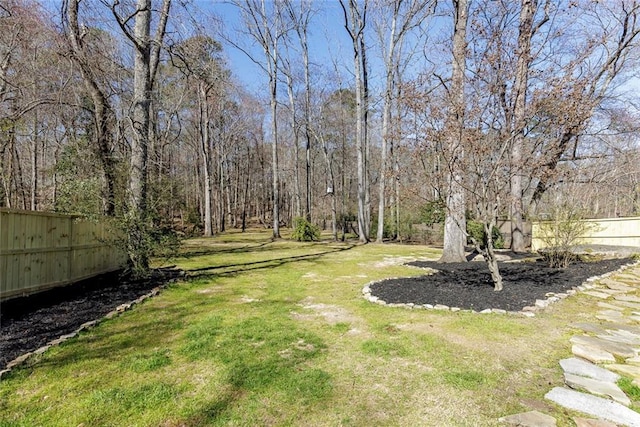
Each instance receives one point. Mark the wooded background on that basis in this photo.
(541, 111)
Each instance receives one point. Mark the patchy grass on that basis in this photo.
(269, 332)
(632, 391)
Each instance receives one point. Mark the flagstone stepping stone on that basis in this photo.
(633, 360)
(610, 313)
(592, 354)
(529, 419)
(627, 277)
(630, 370)
(579, 367)
(627, 298)
(617, 349)
(622, 327)
(627, 304)
(595, 406)
(609, 306)
(626, 334)
(589, 422)
(597, 387)
(620, 339)
(594, 328)
(612, 284)
(597, 294)
(611, 291)
(611, 316)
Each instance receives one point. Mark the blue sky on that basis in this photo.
(327, 38)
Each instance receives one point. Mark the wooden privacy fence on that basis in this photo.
(41, 250)
(608, 231)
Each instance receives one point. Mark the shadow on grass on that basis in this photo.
(213, 251)
(218, 270)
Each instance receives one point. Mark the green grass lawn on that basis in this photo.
(269, 333)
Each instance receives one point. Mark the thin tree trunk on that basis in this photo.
(307, 119)
(386, 119)
(355, 23)
(296, 146)
(396, 189)
(205, 148)
(34, 165)
(275, 187)
(331, 192)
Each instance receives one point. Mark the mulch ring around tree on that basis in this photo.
(468, 285)
(28, 323)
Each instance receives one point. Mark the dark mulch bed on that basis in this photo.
(28, 323)
(469, 286)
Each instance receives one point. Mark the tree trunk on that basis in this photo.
(138, 254)
(355, 23)
(34, 165)
(332, 192)
(527, 12)
(101, 107)
(275, 187)
(296, 146)
(455, 222)
(386, 119)
(205, 149)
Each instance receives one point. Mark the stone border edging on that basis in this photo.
(529, 311)
(20, 360)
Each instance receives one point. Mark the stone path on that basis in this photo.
(604, 349)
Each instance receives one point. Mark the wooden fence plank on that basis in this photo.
(42, 250)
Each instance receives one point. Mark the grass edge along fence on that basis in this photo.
(605, 231)
(40, 250)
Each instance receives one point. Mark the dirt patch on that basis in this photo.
(332, 314)
(469, 286)
(29, 323)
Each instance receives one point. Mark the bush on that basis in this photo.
(304, 231)
(475, 230)
(143, 239)
(565, 229)
(388, 228)
(433, 212)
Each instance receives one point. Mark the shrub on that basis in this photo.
(388, 228)
(564, 229)
(475, 230)
(433, 212)
(304, 231)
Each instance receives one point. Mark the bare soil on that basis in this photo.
(28, 323)
(468, 285)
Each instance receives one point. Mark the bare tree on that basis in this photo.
(405, 16)
(455, 223)
(103, 114)
(265, 23)
(146, 60)
(198, 59)
(565, 106)
(527, 29)
(355, 18)
(300, 14)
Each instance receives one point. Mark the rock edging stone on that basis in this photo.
(528, 311)
(85, 326)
